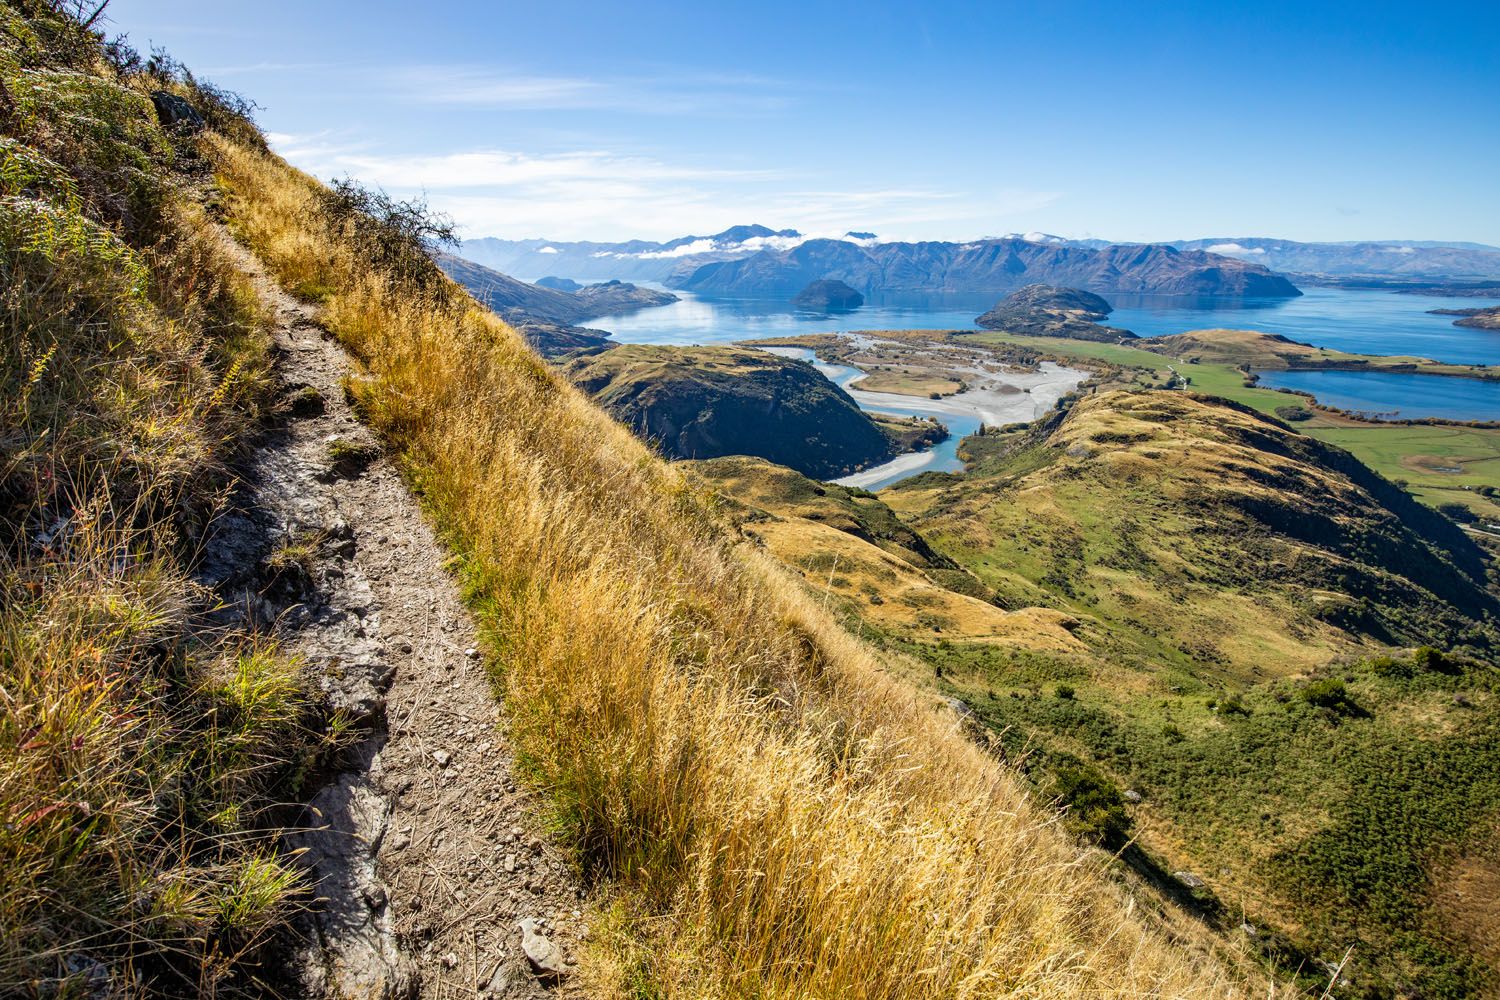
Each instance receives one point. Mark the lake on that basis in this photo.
(1361, 321)
(1394, 395)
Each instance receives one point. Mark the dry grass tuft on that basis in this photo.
(780, 817)
(139, 752)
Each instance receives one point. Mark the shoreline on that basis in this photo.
(1015, 397)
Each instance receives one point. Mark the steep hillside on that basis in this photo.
(848, 545)
(521, 302)
(757, 805)
(149, 730)
(724, 762)
(984, 266)
(1195, 499)
(1237, 585)
(705, 402)
(1206, 605)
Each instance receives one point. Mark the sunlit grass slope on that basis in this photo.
(139, 754)
(773, 814)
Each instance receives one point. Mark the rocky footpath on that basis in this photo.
(431, 875)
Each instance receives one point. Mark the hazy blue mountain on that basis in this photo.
(757, 261)
(1000, 265)
(1414, 259)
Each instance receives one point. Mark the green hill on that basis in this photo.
(1240, 605)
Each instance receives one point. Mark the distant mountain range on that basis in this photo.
(758, 262)
(1404, 259)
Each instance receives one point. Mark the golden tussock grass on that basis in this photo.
(140, 751)
(774, 814)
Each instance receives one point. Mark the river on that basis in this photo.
(1023, 397)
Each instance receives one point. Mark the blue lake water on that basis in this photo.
(1360, 321)
(1391, 395)
(694, 320)
(1356, 320)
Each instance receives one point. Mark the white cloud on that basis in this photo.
(597, 194)
(705, 245)
(1234, 249)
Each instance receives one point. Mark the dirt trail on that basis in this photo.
(425, 854)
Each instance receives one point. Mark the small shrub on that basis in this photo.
(349, 458)
(1065, 692)
(397, 238)
(1233, 705)
(1096, 809)
(1292, 414)
(1390, 667)
(1432, 659)
(1331, 694)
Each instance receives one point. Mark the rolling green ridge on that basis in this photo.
(1422, 456)
(1200, 606)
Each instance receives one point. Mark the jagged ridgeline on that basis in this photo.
(763, 809)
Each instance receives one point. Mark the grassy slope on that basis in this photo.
(1255, 350)
(1192, 641)
(1328, 825)
(1398, 453)
(849, 547)
(776, 815)
(140, 753)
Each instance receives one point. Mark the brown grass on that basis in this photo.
(139, 750)
(774, 814)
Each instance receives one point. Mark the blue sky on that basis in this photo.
(916, 120)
